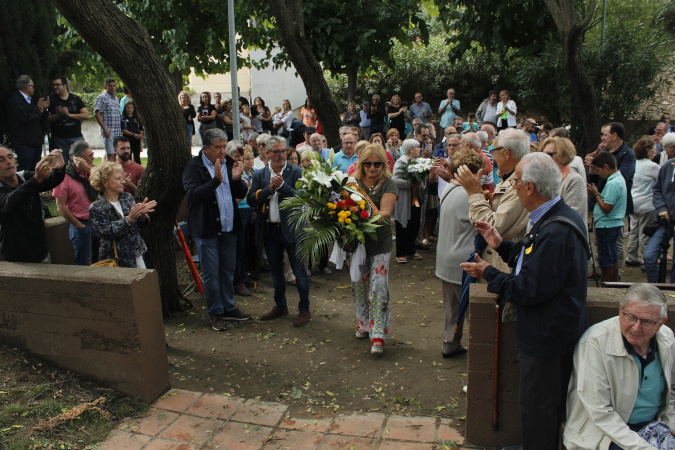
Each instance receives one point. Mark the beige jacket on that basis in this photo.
(603, 389)
(510, 219)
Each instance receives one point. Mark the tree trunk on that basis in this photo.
(572, 30)
(176, 81)
(107, 30)
(583, 91)
(290, 22)
(352, 73)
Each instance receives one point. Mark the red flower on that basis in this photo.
(349, 202)
(340, 205)
(364, 214)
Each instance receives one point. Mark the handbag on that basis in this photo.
(109, 262)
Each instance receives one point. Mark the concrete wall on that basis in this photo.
(102, 323)
(602, 304)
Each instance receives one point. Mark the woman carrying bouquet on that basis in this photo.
(408, 210)
(371, 292)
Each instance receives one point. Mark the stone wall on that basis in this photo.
(602, 304)
(102, 323)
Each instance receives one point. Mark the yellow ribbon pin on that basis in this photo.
(528, 250)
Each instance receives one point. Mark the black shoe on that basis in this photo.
(240, 289)
(632, 263)
(421, 247)
(248, 282)
(235, 315)
(217, 323)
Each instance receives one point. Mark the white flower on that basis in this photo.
(339, 176)
(322, 178)
(356, 197)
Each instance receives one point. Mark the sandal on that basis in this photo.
(416, 256)
(426, 242)
(402, 260)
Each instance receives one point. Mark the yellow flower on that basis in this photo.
(348, 213)
(348, 221)
(341, 220)
(330, 205)
(331, 212)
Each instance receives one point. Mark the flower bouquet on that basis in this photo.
(416, 171)
(329, 207)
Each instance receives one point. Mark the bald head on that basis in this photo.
(472, 141)
(316, 141)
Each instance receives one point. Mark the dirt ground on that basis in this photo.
(322, 367)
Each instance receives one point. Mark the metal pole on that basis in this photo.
(233, 72)
(604, 16)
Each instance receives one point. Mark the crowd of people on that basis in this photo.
(508, 199)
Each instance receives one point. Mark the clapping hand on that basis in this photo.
(490, 233)
(237, 170)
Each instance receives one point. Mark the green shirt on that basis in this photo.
(383, 242)
(614, 193)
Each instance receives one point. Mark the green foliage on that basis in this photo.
(629, 72)
(430, 70)
(25, 48)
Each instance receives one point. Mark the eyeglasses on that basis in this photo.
(368, 164)
(496, 149)
(551, 154)
(261, 145)
(276, 152)
(513, 181)
(644, 323)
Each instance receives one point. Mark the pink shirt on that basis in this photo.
(135, 171)
(75, 195)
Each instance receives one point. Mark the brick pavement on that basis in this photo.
(185, 420)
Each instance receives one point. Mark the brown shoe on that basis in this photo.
(277, 311)
(302, 319)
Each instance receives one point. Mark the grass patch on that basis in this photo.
(33, 391)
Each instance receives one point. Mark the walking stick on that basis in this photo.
(495, 409)
(188, 259)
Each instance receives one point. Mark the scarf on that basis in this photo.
(92, 193)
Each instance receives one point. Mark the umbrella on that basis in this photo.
(188, 259)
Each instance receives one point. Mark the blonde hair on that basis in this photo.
(380, 153)
(189, 100)
(563, 146)
(102, 173)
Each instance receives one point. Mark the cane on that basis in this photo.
(495, 412)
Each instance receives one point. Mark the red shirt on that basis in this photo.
(76, 197)
(134, 170)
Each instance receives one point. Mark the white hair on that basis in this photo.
(540, 169)
(483, 136)
(646, 294)
(516, 141)
(668, 139)
(409, 144)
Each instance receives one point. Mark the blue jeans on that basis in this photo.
(607, 239)
(63, 144)
(216, 258)
(652, 251)
(239, 272)
(85, 243)
(275, 245)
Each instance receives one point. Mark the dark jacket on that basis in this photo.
(203, 211)
(22, 227)
(625, 162)
(550, 289)
(664, 190)
(260, 194)
(110, 227)
(24, 121)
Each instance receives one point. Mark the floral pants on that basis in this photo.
(371, 296)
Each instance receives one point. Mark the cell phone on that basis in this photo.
(51, 159)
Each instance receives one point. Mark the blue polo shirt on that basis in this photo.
(614, 193)
(342, 162)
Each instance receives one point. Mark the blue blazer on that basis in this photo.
(260, 194)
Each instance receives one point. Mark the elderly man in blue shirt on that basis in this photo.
(347, 156)
(213, 181)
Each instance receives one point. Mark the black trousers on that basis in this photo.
(405, 236)
(543, 393)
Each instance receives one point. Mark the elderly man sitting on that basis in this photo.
(622, 380)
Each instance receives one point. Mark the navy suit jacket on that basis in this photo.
(260, 194)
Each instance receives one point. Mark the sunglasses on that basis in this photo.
(368, 164)
(276, 152)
